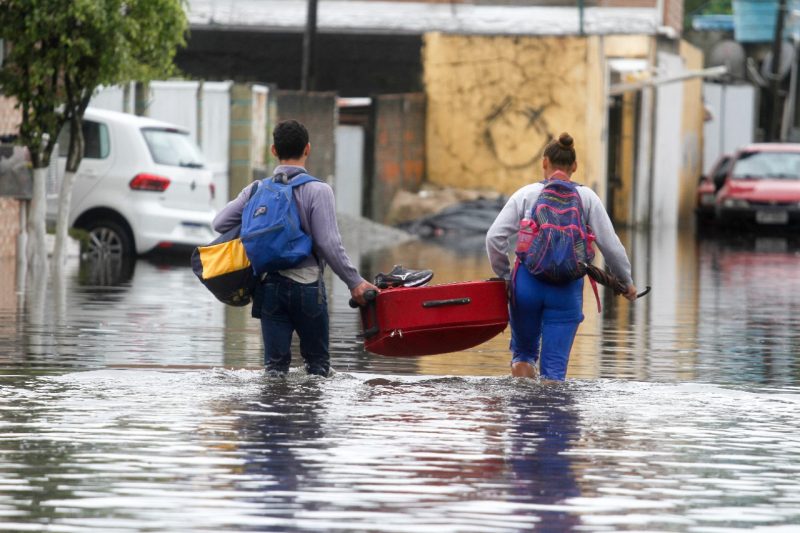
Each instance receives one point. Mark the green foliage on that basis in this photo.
(710, 7)
(63, 50)
(705, 7)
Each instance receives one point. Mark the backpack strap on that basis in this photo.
(590, 237)
(295, 181)
(574, 185)
(300, 179)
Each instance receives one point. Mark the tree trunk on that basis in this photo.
(65, 195)
(62, 222)
(36, 246)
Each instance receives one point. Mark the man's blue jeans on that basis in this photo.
(288, 306)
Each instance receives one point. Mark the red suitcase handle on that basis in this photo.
(370, 297)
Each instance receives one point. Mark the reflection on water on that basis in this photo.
(122, 450)
(680, 413)
(106, 270)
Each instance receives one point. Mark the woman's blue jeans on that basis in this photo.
(288, 306)
(544, 321)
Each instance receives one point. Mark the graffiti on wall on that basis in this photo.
(495, 102)
(516, 133)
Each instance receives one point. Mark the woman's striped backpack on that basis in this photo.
(554, 242)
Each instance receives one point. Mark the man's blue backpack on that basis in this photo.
(555, 243)
(271, 233)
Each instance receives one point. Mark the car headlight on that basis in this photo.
(735, 202)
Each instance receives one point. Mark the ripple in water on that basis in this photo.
(133, 450)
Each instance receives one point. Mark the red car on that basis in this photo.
(706, 206)
(762, 186)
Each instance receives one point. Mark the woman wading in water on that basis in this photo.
(544, 315)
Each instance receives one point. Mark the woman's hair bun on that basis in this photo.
(565, 140)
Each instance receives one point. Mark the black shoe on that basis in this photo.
(401, 277)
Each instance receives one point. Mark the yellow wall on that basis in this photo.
(494, 103)
(691, 133)
(629, 46)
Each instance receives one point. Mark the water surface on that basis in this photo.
(133, 401)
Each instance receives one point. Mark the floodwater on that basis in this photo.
(130, 400)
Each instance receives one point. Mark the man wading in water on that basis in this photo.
(544, 314)
(294, 299)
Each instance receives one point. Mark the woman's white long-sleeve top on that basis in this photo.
(519, 205)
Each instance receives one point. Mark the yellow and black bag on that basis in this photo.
(223, 267)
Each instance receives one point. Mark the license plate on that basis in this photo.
(195, 231)
(772, 217)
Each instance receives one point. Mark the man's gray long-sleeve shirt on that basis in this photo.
(519, 205)
(317, 210)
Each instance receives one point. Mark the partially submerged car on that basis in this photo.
(762, 186)
(142, 185)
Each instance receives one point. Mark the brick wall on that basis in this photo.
(673, 14)
(399, 151)
(9, 116)
(9, 226)
(9, 220)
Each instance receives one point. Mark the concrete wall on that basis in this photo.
(318, 112)
(399, 149)
(495, 102)
(733, 119)
(668, 144)
(678, 146)
(691, 134)
(249, 122)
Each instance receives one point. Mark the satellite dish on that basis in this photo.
(787, 58)
(729, 54)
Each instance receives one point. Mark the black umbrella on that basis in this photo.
(609, 280)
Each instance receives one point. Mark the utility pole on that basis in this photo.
(775, 82)
(309, 42)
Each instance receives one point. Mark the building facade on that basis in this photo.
(499, 80)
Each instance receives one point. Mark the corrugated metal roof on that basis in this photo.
(338, 16)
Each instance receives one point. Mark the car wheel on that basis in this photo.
(108, 238)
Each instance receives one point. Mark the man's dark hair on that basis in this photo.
(290, 139)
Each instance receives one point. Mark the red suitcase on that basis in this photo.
(434, 319)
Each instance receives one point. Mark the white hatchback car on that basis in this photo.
(142, 185)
